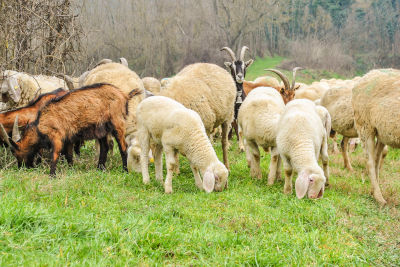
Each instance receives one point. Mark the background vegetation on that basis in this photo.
(159, 37)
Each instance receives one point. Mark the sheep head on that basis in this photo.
(215, 177)
(311, 182)
(237, 67)
(288, 91)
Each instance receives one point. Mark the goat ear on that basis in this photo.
(302, 182)
(228, 64)
(208, 181)
(14, 89)
(248, 63)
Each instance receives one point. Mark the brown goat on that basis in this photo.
(287, 91)
(88, 113)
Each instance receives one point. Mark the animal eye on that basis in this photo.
(311, 180)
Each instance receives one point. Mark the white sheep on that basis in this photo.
(258, 123)
(302, 137)
(376, 101)
(210, 91)
(171, 127)
(19, 88)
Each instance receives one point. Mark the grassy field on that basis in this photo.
(95, 218)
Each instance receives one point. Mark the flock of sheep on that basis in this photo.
(180, 115)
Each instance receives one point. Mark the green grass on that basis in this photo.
(305, 76)
(95, 218)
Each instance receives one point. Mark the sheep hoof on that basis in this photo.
(380, 199)
(146, 181)
(168, 190)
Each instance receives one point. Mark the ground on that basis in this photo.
(97, 218)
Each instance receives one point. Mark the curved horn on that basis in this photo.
(123, 61)
(15, 132)
(244, 48)
(230, 52)
(294, 76)
(103, 61)
(283, 78)
(68, 80)
(4, 135)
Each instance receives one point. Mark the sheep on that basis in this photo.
(302, 136)
(87, 113)
(375, 100)
(210, 91)
(18, 88)
(151, 84)
(312, 92)
(258, 121)
(174, 128)
(337, 100)
(238, 71)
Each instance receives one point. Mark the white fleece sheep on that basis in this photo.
(302, 136)
(258, 123)
(376, 101)
(19, 88)
(171, 127)
(210, 91)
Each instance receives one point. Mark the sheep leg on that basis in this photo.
(57, 147)
(287, 188)
(248, 153)
(170, 160)
(177, 171)
(241, 142)
(378, 157)
(103, 153)
(334, 144)
(144, 136)
(325, 159)
(273, 166)
(370, 147)
(197, 178)
(224, 140)
(384, 154)
(119, 135)
(344, 145)
(278, 169)
(158, 162)
(255, 171)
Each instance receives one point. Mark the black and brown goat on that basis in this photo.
(88, 113)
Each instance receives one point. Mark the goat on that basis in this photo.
(238, 71)
(91, 112)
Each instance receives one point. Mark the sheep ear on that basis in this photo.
(302, 183)
(248, 63)
(14, 89)
(208, 181)
(228, 64)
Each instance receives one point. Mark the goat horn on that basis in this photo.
(230, 52)
(103, 61)
(123, 61)
(15, 132)
(294, 76)
(68, 80)
(283, 78)
(244, 48)
(4, 135)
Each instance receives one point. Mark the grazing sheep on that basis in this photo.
(152, 84)
(88, 113)
(18, 88)
(210, 91)
(337, 100)
(376, 101)
(171, 127)
(302, 135)
(258, 122)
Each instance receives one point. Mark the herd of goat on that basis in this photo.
(292, 121)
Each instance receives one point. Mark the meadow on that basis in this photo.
(88, 217)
